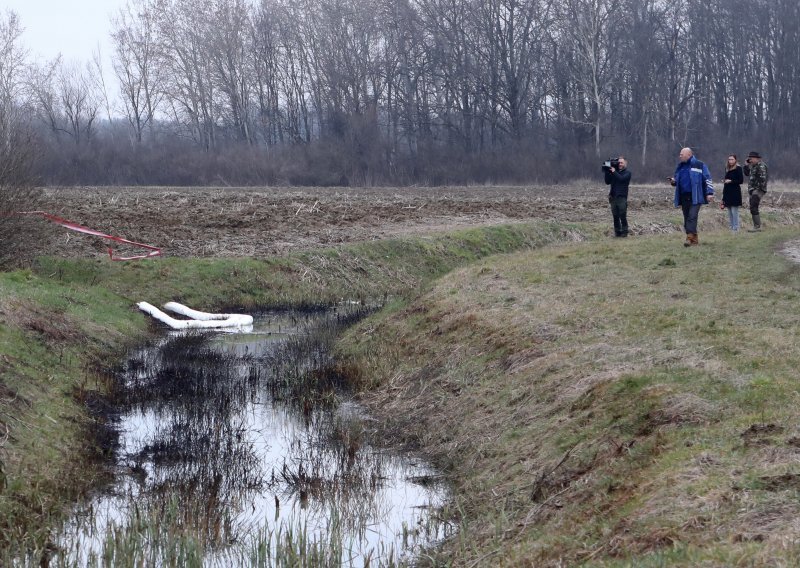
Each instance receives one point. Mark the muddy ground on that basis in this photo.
(258, 222)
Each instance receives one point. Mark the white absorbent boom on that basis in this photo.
(199, 320)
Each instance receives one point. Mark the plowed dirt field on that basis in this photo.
(258, 222)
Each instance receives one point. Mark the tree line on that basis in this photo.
(330, 92)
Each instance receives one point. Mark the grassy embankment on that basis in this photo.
(610, 403)
(613, 403)
(65, 321)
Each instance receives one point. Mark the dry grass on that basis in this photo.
(596, 402)
(562, 384)
(63, 323)
(261, 222)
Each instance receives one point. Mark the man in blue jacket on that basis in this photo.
(693, 189)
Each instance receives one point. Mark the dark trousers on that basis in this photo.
(755, 201)
(619, 209)
(690, 213)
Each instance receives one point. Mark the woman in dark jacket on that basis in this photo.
(732, 191)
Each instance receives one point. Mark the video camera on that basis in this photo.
(611, 163)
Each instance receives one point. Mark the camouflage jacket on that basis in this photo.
(758, 178)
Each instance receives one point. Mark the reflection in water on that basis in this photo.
(237, 436)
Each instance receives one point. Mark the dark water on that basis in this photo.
(240, 437)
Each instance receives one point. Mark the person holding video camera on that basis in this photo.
(693, 189)
(619, 178)
(756, 186)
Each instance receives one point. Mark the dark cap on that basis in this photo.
(753, 155)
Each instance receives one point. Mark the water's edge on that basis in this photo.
(237, 446)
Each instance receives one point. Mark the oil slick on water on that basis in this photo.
(236, 448)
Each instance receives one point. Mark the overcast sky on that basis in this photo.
(74, 28)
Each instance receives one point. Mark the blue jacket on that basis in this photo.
(702, 186)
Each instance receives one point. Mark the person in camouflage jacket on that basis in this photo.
(756, 187)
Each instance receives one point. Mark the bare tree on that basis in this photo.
(514, 40)
(136, 65)
(587, 32)
(17, 146)
(271, 62)
(80, 102)
(66, 100)
(452, 90)
(231, 53)
(403, 61)
(439, 90)
(645, 56)
(185, 29)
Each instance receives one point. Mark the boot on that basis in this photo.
(694, 239)
(756, 224)
(688, 241)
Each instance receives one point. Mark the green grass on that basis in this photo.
(63, 322)
(604, 403)
(164, 535)
(389, 266)
(595, 403)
